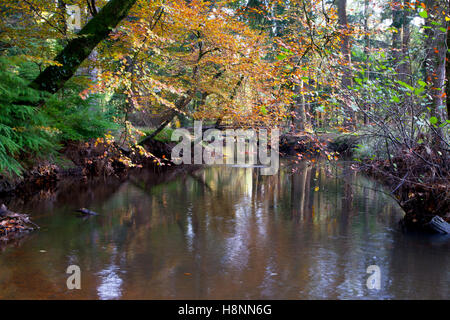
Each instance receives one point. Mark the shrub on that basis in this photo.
(27, 130)
(22, 126)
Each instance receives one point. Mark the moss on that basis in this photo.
(78, 49)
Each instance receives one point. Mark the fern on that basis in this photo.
(20, 125)
(27, 131)
(78, 119)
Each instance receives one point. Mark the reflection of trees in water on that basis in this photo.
(243, 216)
(228, 233)
(69, 193)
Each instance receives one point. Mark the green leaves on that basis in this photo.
(395, 99)
(263, 110)
(404, 84)
(21, 126)
(434, 120)
(37, 132)
(423, 14)
(281, 56)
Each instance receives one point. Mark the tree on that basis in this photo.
(345, 50)
(447, 66)
(194, 59)
(436, 53)
(345, 41)
(400, 38)
(77, 50)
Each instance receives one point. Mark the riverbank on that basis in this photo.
(81, 161)
(413, 180)
(98, 158)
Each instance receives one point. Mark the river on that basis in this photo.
(309, 232)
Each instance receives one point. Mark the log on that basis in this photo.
(438, 225)
(87, 212)
(12, 223)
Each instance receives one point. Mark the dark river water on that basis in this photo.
(224, 233)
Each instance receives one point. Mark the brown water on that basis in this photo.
(224, 233)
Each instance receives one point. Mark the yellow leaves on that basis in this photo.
(49, 130)
(198, 46)
(42, 61)
(142, 151)
(127, 161)
(109, 139)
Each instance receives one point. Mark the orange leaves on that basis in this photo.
(342, 129)
(195, 47)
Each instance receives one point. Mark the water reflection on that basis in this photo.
(226, 232)
(110, 281)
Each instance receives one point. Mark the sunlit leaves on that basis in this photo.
(434, 120)
(423, 14)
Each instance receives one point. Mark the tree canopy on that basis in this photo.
(372, 68)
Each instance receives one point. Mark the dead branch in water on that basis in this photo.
(12, 223)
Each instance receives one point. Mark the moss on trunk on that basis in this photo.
(77, 50)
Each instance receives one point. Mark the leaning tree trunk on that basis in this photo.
(77, 50)
(181, 104)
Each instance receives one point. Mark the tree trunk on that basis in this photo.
(435, 61)
(366, 50)
(397, 23)
(345, 42)
(400, 40)
(345, 51)
(405, 67)
(77, 50)
(180, 104)
(447, 71)
(300, 120)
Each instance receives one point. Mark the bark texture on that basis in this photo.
(77, 50)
